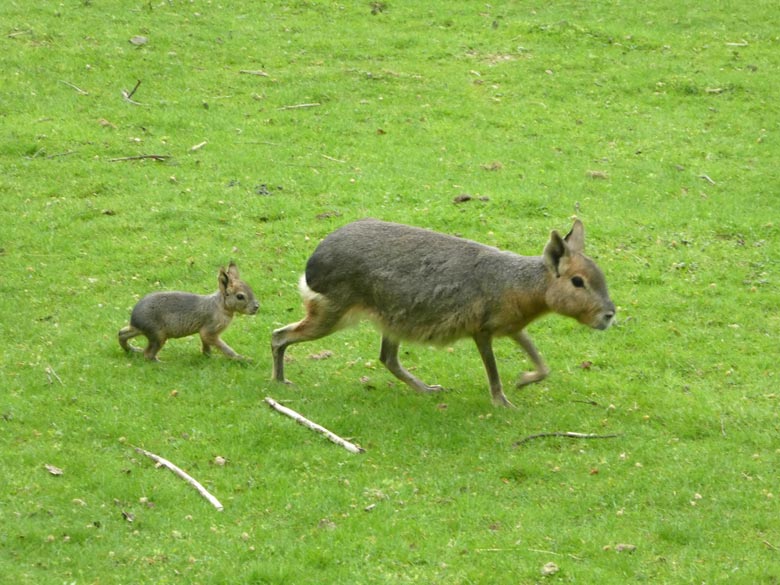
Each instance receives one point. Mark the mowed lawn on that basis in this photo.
(145, 144)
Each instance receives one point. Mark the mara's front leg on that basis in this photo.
(541, 371)
(213, 339)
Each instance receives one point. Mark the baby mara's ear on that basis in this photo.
(223, 279)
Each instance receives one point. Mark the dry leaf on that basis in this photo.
(550, 569)
(139, 40)
(53, 470)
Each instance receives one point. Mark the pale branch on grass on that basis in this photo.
(78, 89)
(52, 374)
(338, 160)
(300, 419)
(159, 157)
(708, 179)
(299, 106)
(257, 72)
(183, 474)
(19, 33)
(563, 434)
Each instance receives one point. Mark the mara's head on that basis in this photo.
(578, 288)
(237, 294)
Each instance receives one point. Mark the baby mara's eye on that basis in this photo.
(241, 296)
(578, 282)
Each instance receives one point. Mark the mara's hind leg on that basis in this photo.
(155, 345)
(388, 355)
(320, 320)
(485, 347)
(127, 333)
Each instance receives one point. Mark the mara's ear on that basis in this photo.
(232, 270)
(576, 237)
(223, 280)
(554, 251)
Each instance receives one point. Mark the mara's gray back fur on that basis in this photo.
(420, 285)
(168, 315)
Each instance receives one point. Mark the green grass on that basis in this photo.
(657, 124)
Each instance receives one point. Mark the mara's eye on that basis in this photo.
(578, 282)
(240, 296)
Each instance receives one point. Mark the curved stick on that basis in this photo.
(563, 434)
(182, 474)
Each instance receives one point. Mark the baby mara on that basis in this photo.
(166, 315)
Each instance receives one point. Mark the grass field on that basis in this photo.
(256, 129)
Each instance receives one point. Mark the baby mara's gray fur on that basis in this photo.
(424, 286)
(167, 315)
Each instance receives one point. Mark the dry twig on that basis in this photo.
(59, 154)
(352, 448)
(299, 106)
(563, 434)
(708, 179)
(254, 72)
(78, 89)
(51, 373)
(127, 95)
(160, 157)
(182, 474)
